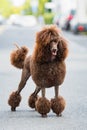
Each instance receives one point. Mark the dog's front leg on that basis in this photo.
(58, 103)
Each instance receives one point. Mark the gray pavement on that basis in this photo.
(74, 88)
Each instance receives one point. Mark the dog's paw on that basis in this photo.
(14, 100)
(43, 106)
(58, 105)
(31, 101)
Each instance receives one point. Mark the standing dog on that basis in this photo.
(46, 66)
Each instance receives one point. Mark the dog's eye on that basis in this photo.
(54, 40)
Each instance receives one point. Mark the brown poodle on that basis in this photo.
(46, 66)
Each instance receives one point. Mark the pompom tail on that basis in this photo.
(18, 56)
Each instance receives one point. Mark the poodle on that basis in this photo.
(47, 68)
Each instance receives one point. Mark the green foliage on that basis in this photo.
(15, 10)
(41, 9)
(27, 7)
(48, 18)
(49, 0)
(5, 7)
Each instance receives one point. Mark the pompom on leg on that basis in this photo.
(43, 106)
(14, 100)
(58, 105)
(31, 101)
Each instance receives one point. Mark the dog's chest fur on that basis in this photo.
(48, 74)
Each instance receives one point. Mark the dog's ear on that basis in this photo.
(47, 34)
(62, 49)
(42, 37)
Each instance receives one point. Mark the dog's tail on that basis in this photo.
(18, 56)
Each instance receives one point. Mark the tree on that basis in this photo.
(5, 7)
(27, 7)
(41, 9)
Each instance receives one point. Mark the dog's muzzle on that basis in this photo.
(54, 52)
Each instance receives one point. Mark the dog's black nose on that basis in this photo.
(54, 50)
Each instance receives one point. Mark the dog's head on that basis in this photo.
(50, 45)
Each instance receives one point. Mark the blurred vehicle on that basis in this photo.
(13, 19)
(79, 22)
(65, 19)
(22, 20)
(28, 21)
(78, 25)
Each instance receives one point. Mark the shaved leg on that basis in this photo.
(24, 78)
(56, 91)
(36, 91)
(43, 92)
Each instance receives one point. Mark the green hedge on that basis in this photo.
(48, 18)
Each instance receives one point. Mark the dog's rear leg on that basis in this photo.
(24, 78)
(15, 97)
(33, 97)
(57, 103)
(36, 91)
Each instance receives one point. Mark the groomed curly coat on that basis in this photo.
(46, 66)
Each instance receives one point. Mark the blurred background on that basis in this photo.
(70, 16)
(20, 20)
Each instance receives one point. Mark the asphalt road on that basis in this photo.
(74, 88)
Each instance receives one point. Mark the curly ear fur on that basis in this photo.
(47, 34)
(18, 56)
(41, 53)
(62, 49)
